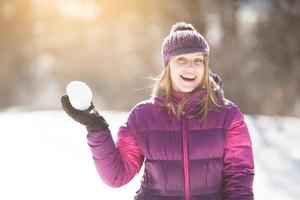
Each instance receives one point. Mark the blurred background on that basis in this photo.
(114, 46)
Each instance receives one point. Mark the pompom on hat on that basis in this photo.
(183, 39)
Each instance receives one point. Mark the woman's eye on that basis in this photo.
(198, 61)
(181, 60)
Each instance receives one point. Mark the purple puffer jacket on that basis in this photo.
(184, 159)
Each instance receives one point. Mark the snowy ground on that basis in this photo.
(44, 155)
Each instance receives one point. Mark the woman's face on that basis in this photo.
(187, 71)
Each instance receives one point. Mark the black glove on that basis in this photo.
(90, 117)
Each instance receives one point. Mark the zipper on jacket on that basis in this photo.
(185, 158)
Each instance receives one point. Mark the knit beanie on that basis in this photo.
(183, 39)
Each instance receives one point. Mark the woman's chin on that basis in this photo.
(185, 86)
(185, 89)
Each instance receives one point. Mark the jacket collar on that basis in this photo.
(193, 103)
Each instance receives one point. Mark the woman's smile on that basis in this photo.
(188, 78)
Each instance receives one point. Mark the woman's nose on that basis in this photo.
(190, 68)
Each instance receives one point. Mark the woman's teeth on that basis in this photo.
(187, 78)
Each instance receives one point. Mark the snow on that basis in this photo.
(44, 155)
(80, 95)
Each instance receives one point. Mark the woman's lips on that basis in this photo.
(188, 78)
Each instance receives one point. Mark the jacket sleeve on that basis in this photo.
(116, 163)
(238, 164)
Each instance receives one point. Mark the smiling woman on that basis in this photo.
(193, 142)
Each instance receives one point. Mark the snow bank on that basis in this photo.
(44, 155)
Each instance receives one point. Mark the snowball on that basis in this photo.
(80, 95)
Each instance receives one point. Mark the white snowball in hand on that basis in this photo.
(80, 95)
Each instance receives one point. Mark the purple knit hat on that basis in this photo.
(183, 39)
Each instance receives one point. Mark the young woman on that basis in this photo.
(194, 143)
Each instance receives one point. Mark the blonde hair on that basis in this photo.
(163, 87)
